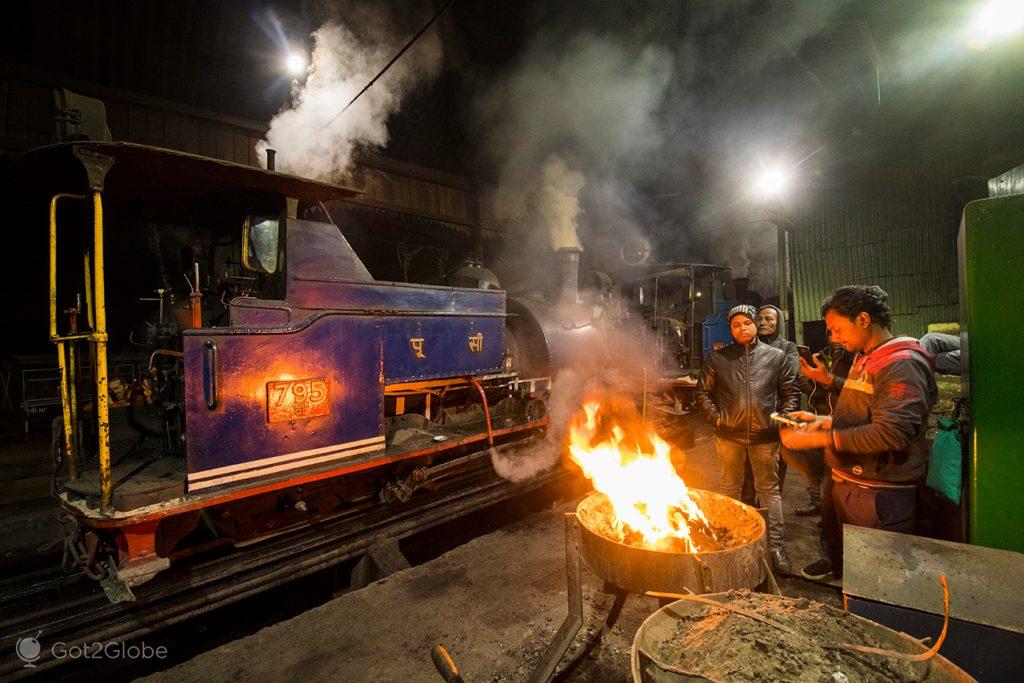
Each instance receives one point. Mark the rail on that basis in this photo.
(222, 581)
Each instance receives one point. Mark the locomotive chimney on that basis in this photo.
(271, 159)
(569, 265)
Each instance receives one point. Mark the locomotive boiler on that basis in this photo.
(283, 385)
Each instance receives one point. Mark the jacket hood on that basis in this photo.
(895, 349)
(778, 328)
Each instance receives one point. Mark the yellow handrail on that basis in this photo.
(62, 364)
(87, 269)
(100, 336)
(65, 404)
(98, 320)
(53, 258)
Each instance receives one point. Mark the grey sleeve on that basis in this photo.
(900, 403)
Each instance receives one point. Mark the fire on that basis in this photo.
(628, 462)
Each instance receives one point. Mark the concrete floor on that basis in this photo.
(494, 603)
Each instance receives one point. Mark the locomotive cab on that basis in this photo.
(251, 372)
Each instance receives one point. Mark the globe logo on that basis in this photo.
(28, 650)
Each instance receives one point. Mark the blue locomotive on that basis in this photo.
(283, 383)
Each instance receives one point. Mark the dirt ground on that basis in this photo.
(494, 603)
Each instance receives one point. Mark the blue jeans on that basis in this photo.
(764, 461)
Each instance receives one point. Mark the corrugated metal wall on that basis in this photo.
(27, 120)
(898, 233)
(402, 187)
(27, 112)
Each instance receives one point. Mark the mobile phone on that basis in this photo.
(805, 353)
(787, 420)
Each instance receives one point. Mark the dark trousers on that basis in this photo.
(811, 466)
(891, 510)
(764, 461)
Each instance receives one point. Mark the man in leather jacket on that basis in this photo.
(770, 323)
(874, 440)
(740, 386)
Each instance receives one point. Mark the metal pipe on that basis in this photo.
(487, 410)
(197, 300)
(271, 159)
(569, 258)
(87, 270)
(65, 404)
(100, 335)
(62, 364)
(643, 404)
(693, 314)
(643, 400)
(53, 257)
(164, 352)
(574, 594)
(72, 409)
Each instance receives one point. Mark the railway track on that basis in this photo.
(58, 608)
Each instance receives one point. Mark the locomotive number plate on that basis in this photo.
(298, 398)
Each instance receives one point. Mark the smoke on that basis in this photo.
(520, 465)
(557, 202)
(567, 130)
(591, 373)
(749, 248)
(309, 139)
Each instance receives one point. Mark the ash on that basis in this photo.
(722, 645)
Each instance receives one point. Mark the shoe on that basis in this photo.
(821, 569)
(780, 561)
(809, 510)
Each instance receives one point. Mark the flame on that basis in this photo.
(628, 462)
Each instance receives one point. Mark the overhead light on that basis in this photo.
(295, 64)
(997, 19)
(773, 181)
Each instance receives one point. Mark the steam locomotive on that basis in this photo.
(283, 384)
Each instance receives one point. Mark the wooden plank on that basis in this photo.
(903, 570)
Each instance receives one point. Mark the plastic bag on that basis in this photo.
(945, 464)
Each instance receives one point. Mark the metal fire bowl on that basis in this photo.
(640, 570)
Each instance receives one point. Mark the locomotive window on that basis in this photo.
(259, 243)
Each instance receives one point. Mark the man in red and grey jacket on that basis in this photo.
(874, 440)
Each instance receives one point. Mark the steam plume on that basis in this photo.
(309, 143)
(568, 130)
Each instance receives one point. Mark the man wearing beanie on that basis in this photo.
(770, 323)
(740, 385)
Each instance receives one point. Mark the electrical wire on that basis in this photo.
(393, 60)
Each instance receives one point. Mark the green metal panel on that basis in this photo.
(991, 248)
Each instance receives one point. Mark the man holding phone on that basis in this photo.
(874, 441)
